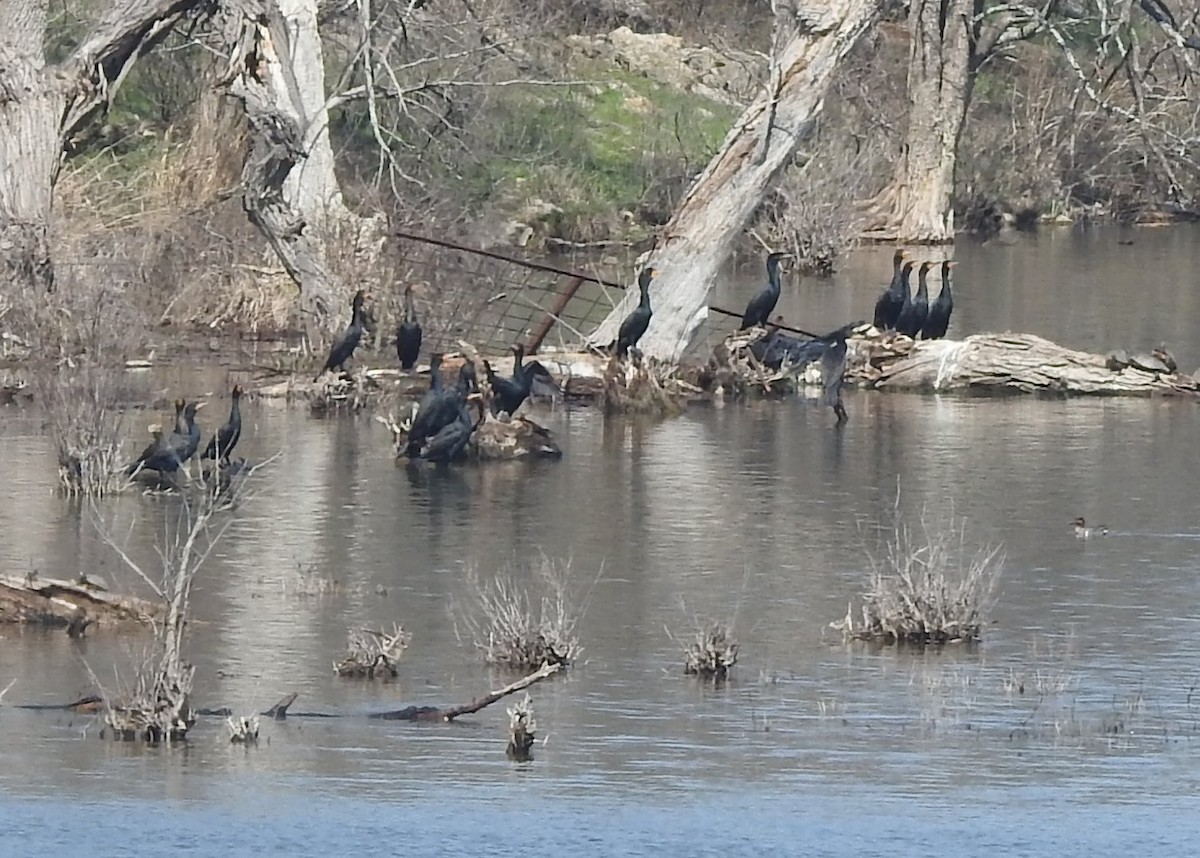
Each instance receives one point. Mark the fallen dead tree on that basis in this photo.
(1008, 362)
(73, 605)
(281, 710)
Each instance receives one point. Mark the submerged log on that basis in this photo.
(433, 713)
(1008, 362)
(73, 605)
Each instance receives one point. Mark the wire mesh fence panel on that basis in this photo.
(493, 301)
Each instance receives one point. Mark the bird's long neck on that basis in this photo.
(923, 285)
(356, 317)
(773, 275)
(435, 377)
(644, 301)
(409, 314)
(946, 279)
(235, 412)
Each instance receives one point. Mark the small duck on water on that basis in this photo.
(1082, 531)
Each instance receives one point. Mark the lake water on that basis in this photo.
(760, 513)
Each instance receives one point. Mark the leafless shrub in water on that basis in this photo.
(156, 707)
(87, 427)
(927, 587)
(711, 653)
(371, 654)
(523, 627)
(521, 730)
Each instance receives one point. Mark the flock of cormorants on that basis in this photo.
(168, 452)
(912, 315)
(442, 426)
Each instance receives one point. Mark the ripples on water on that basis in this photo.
(761, 512)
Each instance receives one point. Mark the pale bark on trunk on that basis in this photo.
(43, 106)
(290, 190)
(812, 36)
(917, 207)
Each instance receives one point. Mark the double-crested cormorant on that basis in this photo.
(221, 444)
(635, 323)
(439, 406)
(938, 320)
(833, 368)
(760, 306)
(408, 334)
(891, 302)
(449, 443)
(1082, 531)
(343, 347)
(509, 393)
(912, 317)
(167, 452)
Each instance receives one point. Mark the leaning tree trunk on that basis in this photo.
(290, 191)
(917, 207)
(812, 36)
(43, 105)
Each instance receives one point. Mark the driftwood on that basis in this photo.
(1016, 363)
(280, 711)
(71, 604)
(433, 713)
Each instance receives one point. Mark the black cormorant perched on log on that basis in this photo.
(509, 393)
(891, 302)
(450, 442)
(761, 305)
(221, 444)
(635, 323)
(408, 334)
(439, 407)
(938, 320)
(913, 316)
(343, 347)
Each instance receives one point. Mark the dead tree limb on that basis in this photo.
(433, 713)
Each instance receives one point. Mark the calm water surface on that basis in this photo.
(762, 513)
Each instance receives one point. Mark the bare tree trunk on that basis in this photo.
(290, 189)
(811, 37)
(917, 207)
(43, 106)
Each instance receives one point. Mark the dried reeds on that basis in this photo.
(87, 428)
(927, 587)
(643, 385)
(371, 654)
(712, 653)
(523, 627)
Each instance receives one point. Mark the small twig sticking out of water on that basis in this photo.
(11, 683)
(521, 729)
(243, 730)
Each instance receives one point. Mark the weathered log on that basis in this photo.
(433, 713)
(53, 602)
(1008, 362)
(812, 36)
